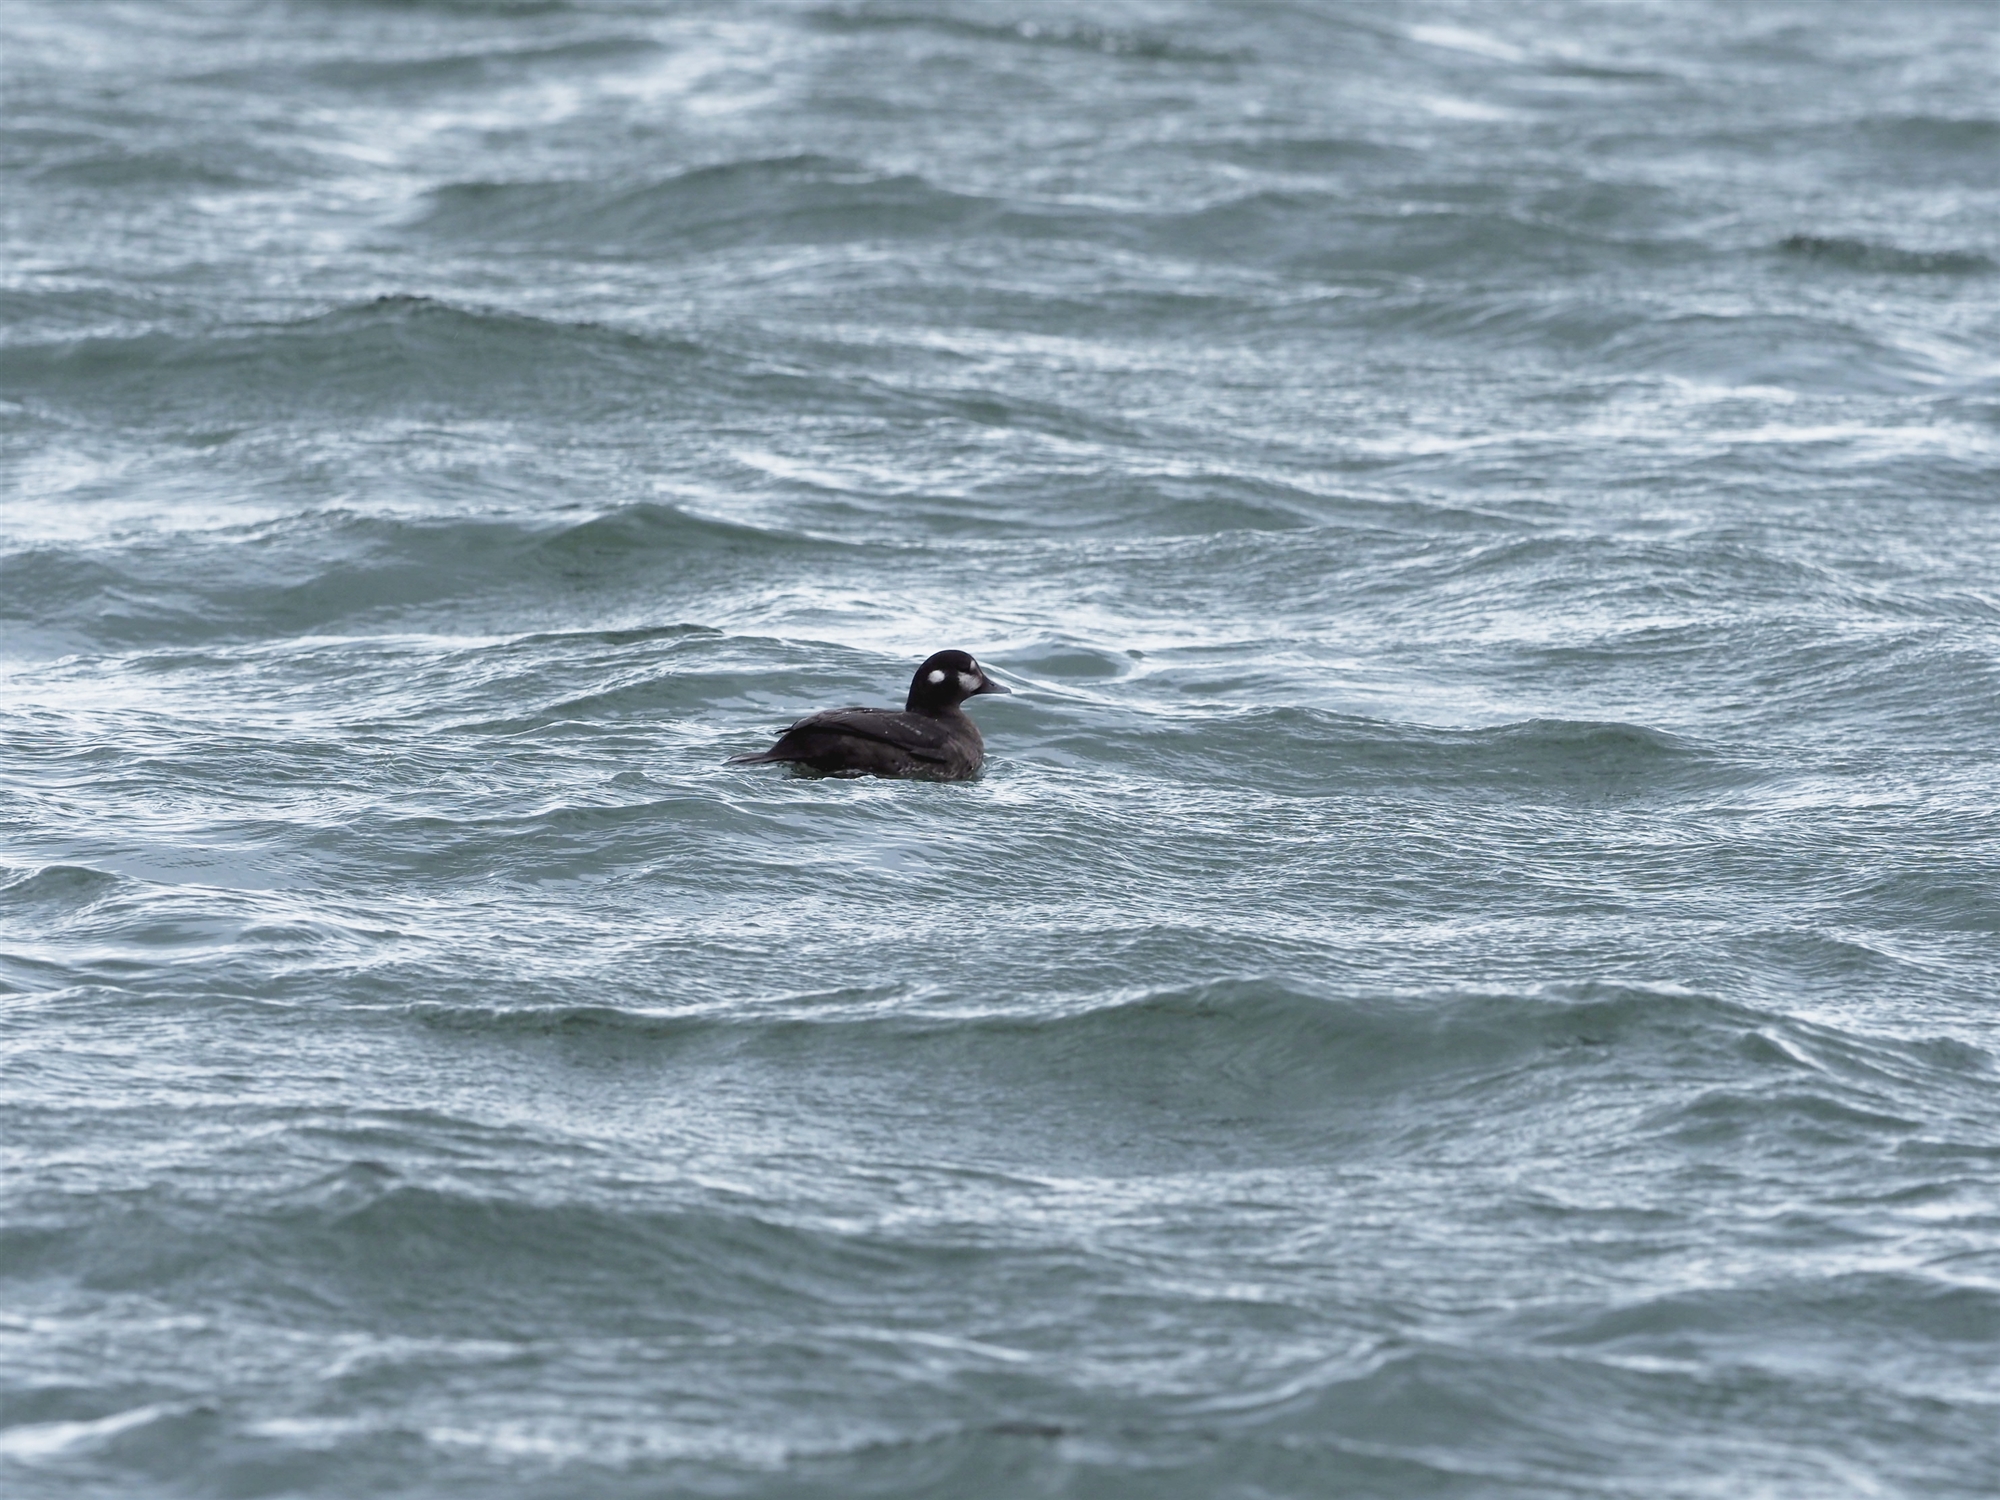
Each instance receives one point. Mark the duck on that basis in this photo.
(932, 738)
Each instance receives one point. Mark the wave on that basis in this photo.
(1312, 751)
(1125, 501)
(793, 199)
(314, 572)
(1294, 1054)
(1917, 682)
(409, 355)
(160, 170)
(812, 199)
(1313, 155)
(1957, 151)
(488, 68)
(1863, 255)
(1291, 1394)
(1073, 36)
(35, 316)
(415, 359)
(54, 890)
(1889, 1307)
(1193, 1078)
(1790, 351)
(500, 9)
(1325, 236)
(1491, 1417)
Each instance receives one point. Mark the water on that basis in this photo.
(1471, 968)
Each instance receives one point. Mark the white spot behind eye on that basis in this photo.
(937, 674)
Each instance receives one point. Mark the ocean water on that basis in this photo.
(1471, 969)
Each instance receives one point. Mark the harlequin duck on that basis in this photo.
(932, 739)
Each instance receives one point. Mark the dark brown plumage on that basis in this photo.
(931, 739)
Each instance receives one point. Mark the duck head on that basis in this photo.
(946, 679)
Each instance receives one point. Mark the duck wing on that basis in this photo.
(865, 742)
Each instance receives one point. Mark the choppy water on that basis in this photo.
(1471, 970)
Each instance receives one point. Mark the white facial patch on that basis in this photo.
(969, 681)
(938, 674)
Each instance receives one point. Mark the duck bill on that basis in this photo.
(988, 685)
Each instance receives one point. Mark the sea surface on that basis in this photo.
(1472, 970)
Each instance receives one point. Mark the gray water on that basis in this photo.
(1470, 970)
